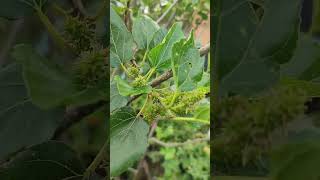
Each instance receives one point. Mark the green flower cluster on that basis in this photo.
(134, 71)
(139, 81)
(91, 70)
(79, 33)
(182, 103)
(154, 108)
(246, 125)
(185, 102)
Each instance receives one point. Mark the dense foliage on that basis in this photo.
(53, 105)
(264, 115)
(159, 105)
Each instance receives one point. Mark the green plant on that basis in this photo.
(158, 75)
(187, 160)
(44, 95)
(262, 90)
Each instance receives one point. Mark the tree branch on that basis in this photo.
(75, 115)
(167, 75)
(177, 144)
(167, 11)
(205, 49)
(80, 7)
(127, 16)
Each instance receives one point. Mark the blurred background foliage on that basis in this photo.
(191, 12)
(287, 117)
(89, 134)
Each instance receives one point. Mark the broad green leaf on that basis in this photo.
(48, 86)
(305, 64)
(126, 89)
(129, 139)
(51, 161)
(117, 101)
(159, 56)
(120, 39)
(290, 160)
(143, 29)
(186, 64)
(205, 80)
(87, 96)
(248, 51)
(202, 112)
(13, 9)
(158, 37)
(21, 123)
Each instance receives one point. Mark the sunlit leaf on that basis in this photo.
(159, 56)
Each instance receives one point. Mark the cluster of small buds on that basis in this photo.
(139, 81)
(91, 69)
(186, 101)
(79, 33)
(134, 71)
(246, 124)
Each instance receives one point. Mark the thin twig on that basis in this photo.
(167, 75)
(205, 49)
(177, 144)
(127, 16)
(171, 18)
(134, 171)
(167, 11)
(75, 115)
(153, 128)
(97, 160)
(56, 36)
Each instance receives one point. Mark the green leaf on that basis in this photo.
(202, 112)
(47, 85)
(117, 101)
(158, 37)
(21, 123)
(86, 96)
(143, 29)
(51, 161)
(290, 160)
(14, 9)
(121, 41)
(129, 139)
(205, 80)
(159, 56)
(186, 63)
(305, 63)
(248, 50)
(126, 89)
